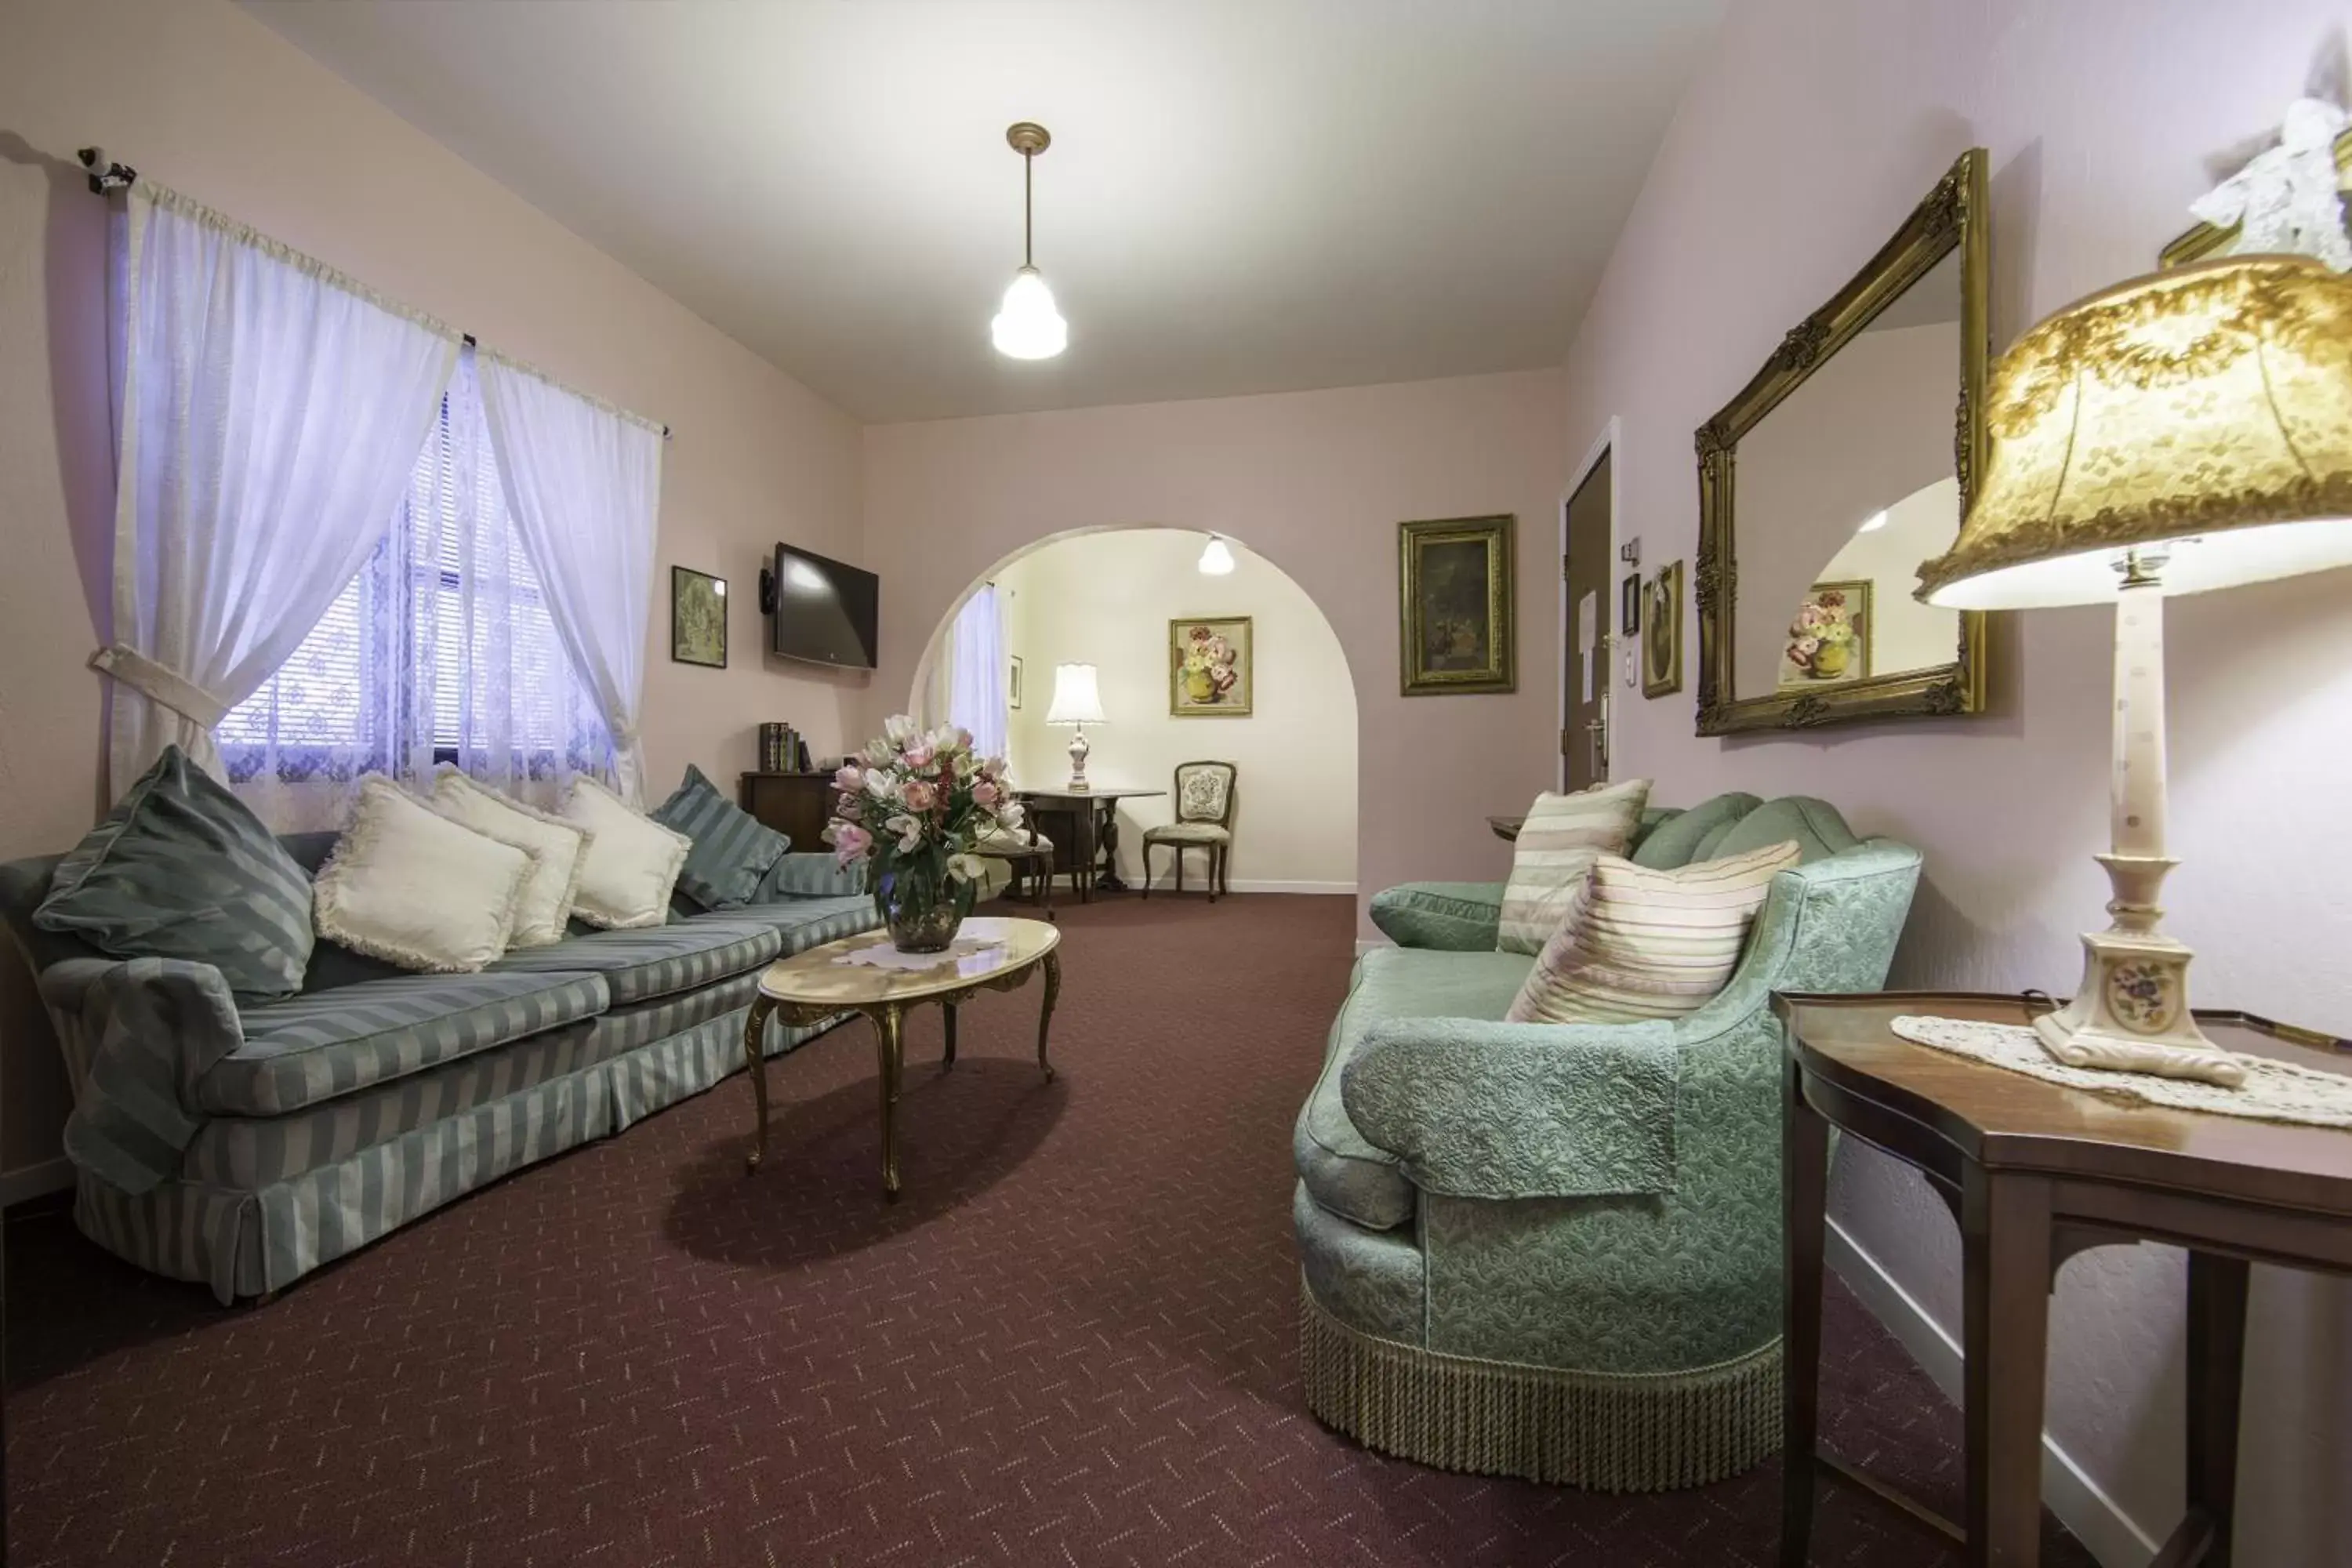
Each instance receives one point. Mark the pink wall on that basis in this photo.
(1316, 483)
(201, 97)
(1807, 136)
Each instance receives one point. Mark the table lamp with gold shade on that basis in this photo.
(2179, 432)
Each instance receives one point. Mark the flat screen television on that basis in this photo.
(823, 610)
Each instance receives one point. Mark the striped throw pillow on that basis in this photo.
(1642, 942)
(180, 868)
(732, 849)
(1563, 836)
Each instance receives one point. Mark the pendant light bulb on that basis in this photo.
(1027, 326)
(1217, 560)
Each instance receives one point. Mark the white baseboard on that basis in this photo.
(36, 1181)
(2113, 1537)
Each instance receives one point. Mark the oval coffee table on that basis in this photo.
(988, 954)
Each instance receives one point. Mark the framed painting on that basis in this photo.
(1828, 640)
(1662, 632)
(1013, 683)
(698, 617)
(1629, 605)
(1455, 586)
(1212, 667)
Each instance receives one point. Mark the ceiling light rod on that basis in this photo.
(1028, 326)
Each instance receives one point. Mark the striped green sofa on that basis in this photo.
(243, 1146)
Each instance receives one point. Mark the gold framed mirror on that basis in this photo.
(1836, 470)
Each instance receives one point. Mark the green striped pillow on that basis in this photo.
(1563, 836)
(732, 850)
(180, 868)
(1649, 942)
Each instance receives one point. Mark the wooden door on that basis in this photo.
(1589, 570)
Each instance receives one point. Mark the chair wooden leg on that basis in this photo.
(1216, 864)
(1147, 868)
(1045, 893)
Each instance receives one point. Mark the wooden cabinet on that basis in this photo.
(797, 805)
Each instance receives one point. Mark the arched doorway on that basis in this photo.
(1118, 598)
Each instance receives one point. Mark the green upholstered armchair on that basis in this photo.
(1554, 1250)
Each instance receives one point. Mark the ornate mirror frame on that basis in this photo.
(1951, 218)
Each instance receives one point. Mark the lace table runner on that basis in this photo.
(2273, 1090)
(882, 955)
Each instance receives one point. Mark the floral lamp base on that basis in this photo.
(2131, 1014)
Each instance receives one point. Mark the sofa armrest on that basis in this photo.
(1451, 917)
(151, 1027)
(810, 874)
(1480, 1110)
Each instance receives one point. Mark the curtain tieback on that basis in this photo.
(161, 684)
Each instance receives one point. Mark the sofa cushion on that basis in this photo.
(658, 961)
(1343, 1172)
(1557, 842)
(1814, 826)
(1675, 841)
(415, 888)
(323, 1044)
(558, 849)
(181, 870)
(732, 848)
(630, 864)
(804, 923)
(1643, 942)
(1456, 917)
(246, 1152)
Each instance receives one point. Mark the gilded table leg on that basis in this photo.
(755, 1061)
(947, 1058)
(890, 1045)
(1045, 1012)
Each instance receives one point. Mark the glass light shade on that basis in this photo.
(1028, 326)
(1077, 696)
(1217, 558)
(2204, 413)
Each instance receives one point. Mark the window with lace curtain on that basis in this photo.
(441, 649)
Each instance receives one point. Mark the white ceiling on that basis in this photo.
(1243, 195)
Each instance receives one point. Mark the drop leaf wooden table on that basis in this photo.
(2034, 1173)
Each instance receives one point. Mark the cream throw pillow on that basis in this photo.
(1563, 836)
(629, 864)
(1647, 943)
(545, 907)
(412, 887)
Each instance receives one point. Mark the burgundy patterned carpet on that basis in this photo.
(1071, 1343)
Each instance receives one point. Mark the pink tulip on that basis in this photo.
(849, 842)
(849, 781)
(920, 795)
(984, 792)
(919, 755)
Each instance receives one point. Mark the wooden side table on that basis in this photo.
(2035, 1172)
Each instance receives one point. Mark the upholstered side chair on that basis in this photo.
(1204, 820)
(1025, 853)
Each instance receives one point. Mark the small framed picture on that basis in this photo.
(1012, 684)
(698, 617)
(1662, 632)
(1629, 605)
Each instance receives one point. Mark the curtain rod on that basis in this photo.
(107, 176)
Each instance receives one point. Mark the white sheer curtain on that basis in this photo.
(441, 650)
(582, 481)
(269, 412)
(975, 671)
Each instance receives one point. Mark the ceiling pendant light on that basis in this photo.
(1027, 326)
(1217, 560)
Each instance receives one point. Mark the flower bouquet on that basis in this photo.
(915, 807)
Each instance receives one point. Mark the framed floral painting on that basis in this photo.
(1829, 640)
(1211, 670)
